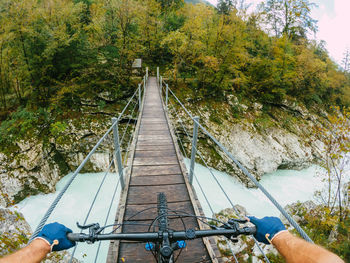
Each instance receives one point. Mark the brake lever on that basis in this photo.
(232, 223)
(214, 227)
(94, 225)
(234, 220)
(94, 229)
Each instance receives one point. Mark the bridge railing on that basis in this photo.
(121, 133)
(170, 99)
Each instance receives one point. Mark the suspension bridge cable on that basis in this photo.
(234, 208)
(200, 186)
(203, 193)
(128, 103)
(195, 176)
(98, 191)
(206, 164)
(130, 139)
(92, 204)
(206, 198)
(59, 196)
(107, 216)
(222, 189)
(247, 173)
(127, 150)
(181, 143)
(76, 172)
(127, 125)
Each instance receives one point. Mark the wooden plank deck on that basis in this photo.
(155, 168)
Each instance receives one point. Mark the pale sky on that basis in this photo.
(333, 24)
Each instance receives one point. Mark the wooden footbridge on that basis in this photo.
(157, 166)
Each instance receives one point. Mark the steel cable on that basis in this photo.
(128, 147)
(195, 176)
(59, 196)
(127, 125)
(92, 204)
(107, 216)
(127, 150)
(251, 177)
(76, 172)
(121, 114)
(232, 205)
(222, 189)
(200, 186)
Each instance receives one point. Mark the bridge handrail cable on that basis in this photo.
(217, 182)
(87, 158)
(242, 168)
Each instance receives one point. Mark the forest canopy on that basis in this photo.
(55, 53)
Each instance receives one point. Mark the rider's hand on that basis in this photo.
(267, 228)
(55, 235)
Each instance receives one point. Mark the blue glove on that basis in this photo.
(56, 236)
(267, 228)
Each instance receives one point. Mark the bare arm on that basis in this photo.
(293, 249)
(53, 237)
(296, 250)
(35, 252)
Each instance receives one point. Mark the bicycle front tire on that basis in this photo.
(162, 212)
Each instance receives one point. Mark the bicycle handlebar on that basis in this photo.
(157, 236)
(165, 241)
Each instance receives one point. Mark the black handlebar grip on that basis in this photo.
(74, 236)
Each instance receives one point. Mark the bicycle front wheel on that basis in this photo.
(162, 212)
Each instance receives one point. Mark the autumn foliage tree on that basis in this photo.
(56, 54)
(335, 136)
(290, 17)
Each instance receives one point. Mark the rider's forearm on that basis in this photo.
(33, 253)
(296, 250)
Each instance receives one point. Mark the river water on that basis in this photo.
(287, 186)
(74, 207)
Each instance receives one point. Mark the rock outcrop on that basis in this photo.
(15, 233)
(244, 248)
(37, 166)
(261, 143)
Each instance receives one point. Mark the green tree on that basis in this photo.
(290, 17)
(40, 46)
(169, 5)
(150, 30)
(335, 137)
(226, 6)
(346, 60)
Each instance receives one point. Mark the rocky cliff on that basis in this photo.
(15, 233)
(37, 165)
(244, 248)
(262, 142)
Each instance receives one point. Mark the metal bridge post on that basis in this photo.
(144, 81)
(161, 83)
(118, 155)
(166, 95)
(140, 97)
(158, 73)
(146, 72)
(194, 147)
